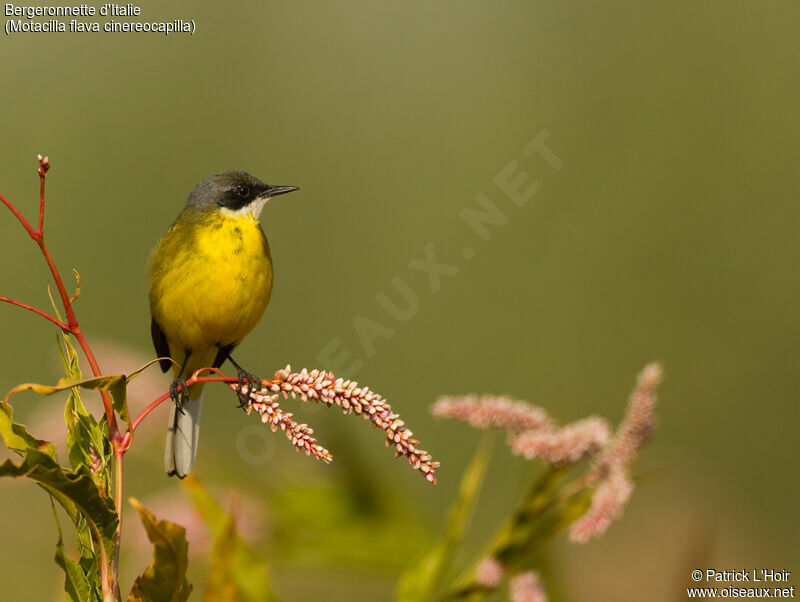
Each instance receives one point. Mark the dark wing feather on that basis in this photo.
(160, 343)
(223, 354)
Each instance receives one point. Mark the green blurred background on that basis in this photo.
(670, 233)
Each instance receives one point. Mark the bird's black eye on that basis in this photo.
(243, 191)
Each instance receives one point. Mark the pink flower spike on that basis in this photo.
(568, 444)
(527, 587)
(323, 387)
(638, 423)
(493, 411)
(611, 472)
(299, 434)
(608, 503)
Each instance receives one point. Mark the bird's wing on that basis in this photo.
(160, 343)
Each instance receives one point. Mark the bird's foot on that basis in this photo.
(252, 382)
(179, 393)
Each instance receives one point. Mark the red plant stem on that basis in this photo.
(39, 312)
(119, 454)
(75, 330)
(103, 562)
(20, 217)
(62, 291)
(73, 327)
(42, 172)
(165, 396)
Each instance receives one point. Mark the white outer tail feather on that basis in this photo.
(183, 430)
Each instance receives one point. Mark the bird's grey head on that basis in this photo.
(236, 192)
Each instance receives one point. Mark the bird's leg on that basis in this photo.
(178, 391)
(252, 382)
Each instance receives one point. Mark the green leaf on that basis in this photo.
(165, 578)
(76, 584)
(104, 383)
(142, 368)
(87, 442)
(119, 399)
(422, 578)
(237, 572)
(87, 439)
(69, 356)
(100, 525)
(115, 384)
(118, 390)
(83, 433)
(17, 438)
(74, 490)
(53, 303)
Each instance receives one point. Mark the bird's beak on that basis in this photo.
(272, 191)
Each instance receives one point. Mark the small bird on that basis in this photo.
(211, 280)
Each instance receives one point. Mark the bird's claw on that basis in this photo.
(252, 382)
(179, 393)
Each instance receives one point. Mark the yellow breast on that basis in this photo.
(211, 279)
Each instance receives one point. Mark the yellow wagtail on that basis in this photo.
(211, 279)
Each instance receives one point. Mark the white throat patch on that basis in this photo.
(253, 209)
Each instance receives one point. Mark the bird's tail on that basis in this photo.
(182, 432)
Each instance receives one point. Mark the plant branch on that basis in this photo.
(73, 327)
(44, 165)
(119, 454)
(189, 382)
(31, 232)
(46, 316)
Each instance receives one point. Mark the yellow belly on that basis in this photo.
(211, 282)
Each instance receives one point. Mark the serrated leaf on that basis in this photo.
(422, 578)
(165, 577)
(237, 572)
(75, 490)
